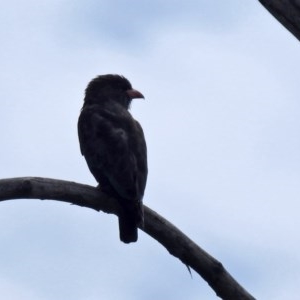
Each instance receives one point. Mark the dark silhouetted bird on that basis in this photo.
(114, 147)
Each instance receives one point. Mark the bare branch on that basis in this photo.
(177, 243)
(287, 12)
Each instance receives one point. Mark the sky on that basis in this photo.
(221, 119)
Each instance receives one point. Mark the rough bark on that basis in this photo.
(177, 243)
(287, 12)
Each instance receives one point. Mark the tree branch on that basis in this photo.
(177, 243)
(287, 12)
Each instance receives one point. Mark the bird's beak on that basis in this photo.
(133, 94)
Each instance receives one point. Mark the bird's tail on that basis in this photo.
(129, 220)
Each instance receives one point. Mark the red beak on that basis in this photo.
(134, 94)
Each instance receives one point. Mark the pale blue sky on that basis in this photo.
(221, 118)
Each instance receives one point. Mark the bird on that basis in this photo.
(114, 147)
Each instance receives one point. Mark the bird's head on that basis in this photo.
(110, 87)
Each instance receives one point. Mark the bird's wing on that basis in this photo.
(115, 152)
